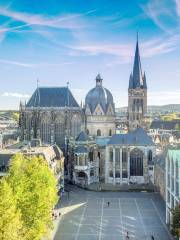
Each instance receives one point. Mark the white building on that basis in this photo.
(172, 182)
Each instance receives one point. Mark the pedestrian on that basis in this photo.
(127, 235)
(53, 215)
(108, 203)
(59, 214)
(152, 237)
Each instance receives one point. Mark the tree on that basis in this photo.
(34, 187)
(10, 223)
(176, 221)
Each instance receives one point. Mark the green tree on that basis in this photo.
(34, 186)
(10, 223)
(176, 221)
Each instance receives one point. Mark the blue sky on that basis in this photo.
(58, 41)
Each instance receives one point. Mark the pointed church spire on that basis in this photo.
(137, 72)
(144, 81)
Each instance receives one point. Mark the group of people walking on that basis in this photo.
(55, 215)
(127, 233)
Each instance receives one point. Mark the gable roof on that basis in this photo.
(82, 137)
(137, 137)
(52, 97)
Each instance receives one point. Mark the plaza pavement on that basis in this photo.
(86, 216)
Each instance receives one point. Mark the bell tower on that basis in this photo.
(137, 94)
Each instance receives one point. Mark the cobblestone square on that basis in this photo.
(87, 216)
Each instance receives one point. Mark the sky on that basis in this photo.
(73, 40)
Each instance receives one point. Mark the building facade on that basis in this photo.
(51, 153)
(137, 94)
(160, 173)
(129, 158)
(52, 114)
(172, 182)
(85, 158)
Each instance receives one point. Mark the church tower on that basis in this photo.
(137, 94)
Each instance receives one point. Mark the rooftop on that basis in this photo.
(137, 137)
(52, 97)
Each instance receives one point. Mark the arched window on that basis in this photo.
(75, 125)
(81, 175)
(149, 156)
(59, 129)
(76, 159)
(45, 129)
(98, 132)
(136, 163)
(91, 157)
(110, 155)
(110, 173)
(110, 132)
(92, 173)
(81, 161)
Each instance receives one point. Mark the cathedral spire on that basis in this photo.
(137, 72)
(144, 81)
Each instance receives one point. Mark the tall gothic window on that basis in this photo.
(111, 155)
(59, 129)
(75, 125)
(98, 132)
(124, 163)
(136, 163)
(149, 156)
(91, 157)
(45, 129)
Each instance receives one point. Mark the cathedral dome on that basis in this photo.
(99, 95)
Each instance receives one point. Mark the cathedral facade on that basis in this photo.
(52, 115)
(93, 150)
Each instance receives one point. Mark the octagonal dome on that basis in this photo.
(99, 95)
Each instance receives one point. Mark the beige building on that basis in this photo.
(51, 153)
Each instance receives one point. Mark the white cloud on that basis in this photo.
(177, 2)
(65, 22)
(33, 65)
(15, 95)
(124, 52)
